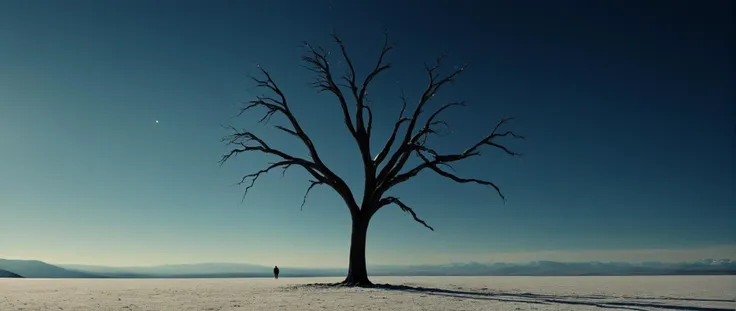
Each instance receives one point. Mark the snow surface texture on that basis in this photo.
(699, 293)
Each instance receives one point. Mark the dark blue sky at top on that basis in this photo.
(627, 106)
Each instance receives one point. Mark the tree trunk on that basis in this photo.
(358, 273)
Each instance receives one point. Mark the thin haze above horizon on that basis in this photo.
(111, 114)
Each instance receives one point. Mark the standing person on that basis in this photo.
(276, 272)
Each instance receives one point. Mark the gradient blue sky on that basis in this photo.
(628, 107)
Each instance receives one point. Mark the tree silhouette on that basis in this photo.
(383, 171)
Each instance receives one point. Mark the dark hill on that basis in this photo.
(40, 269)
(8, 274)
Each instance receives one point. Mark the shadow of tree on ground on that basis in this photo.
(531, 298)
(600, 301)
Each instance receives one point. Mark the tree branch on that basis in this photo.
(361, 133)
(311, 185)
(461, 180)
(245, 141)
(380, 67)
(370, 121)
(351, 83)
(434, 85)
(317, 58)
(360, 93)
(249, 142)
(393, 200)
(418, 141)
(390, 142)
(445, 160)
(281, 106)
(427, 128)
(254, 176)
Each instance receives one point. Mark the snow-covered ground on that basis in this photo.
(698, 293)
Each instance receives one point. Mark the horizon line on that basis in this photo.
(386, 265)
(681, 255)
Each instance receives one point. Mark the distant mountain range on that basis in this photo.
(39, 269)
(208, 270)
(552, 268)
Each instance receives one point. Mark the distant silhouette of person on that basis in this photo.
(276, 272)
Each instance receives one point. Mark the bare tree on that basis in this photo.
(383, 171)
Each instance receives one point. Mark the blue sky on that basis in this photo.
(627, 106)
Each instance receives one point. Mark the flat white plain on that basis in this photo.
(697, 293)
